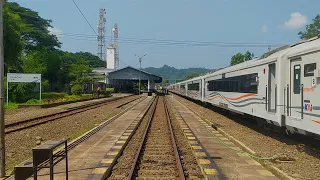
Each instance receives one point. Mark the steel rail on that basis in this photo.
(135, 162)
(58, 115)
(144, 138)
(178, 161)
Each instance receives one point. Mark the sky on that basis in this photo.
(268, 22)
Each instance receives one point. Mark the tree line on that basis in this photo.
(29, 47)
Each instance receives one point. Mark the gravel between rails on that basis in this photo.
(157, 157)
(266, 144)
(124, 163)
(188, 160)
(19, 144)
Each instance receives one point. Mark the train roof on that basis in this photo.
(290, 51)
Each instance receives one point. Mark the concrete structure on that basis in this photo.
(111, 57)
(129, 75)
(124, 79)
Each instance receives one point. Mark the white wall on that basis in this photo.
(110, 58)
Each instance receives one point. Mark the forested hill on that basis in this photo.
(171, 73)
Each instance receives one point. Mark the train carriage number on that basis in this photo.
(223, 105)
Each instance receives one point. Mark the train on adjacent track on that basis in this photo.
(281, 88)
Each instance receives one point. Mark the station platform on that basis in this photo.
(228, 160)
(85, 157)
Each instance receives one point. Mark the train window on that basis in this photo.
(242, 84)
(193, 86)
(297, 78)
(309, 69)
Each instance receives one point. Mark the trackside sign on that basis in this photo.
(18, 77)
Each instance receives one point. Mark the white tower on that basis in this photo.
(116, 45)
(111, 57)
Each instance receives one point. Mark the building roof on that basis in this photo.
(131, 73)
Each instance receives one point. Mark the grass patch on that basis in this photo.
(11, 105)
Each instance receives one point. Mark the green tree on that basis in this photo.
(192, 75)
(36, 33)
(240, 58)
(13, 44)
(248, 56)
(312, 30)
(237, 59)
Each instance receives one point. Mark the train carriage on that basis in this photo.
(281, 88)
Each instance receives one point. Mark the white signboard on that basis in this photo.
(18, 77)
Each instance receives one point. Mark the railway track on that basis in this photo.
(29, 123)
(157, 156)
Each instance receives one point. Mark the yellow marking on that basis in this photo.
(189, 134)
(204, 161)
(99, 170)
(236, 148)
(200, 154)
(265, 173)
(187, 131)
(252, 162)
(191, 138)
(112, 153)
(196, 147)
(224, 139)
(126, 134)
(184, 128)
(210, 171)
(107, 161)
(218, 135)
(228, 143)
(242, 154)
(121, 142)
(193, 142)
(124, 137)
(116, 147)
(129, 131)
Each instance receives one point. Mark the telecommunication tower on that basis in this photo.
(116, 45)
(101, 35)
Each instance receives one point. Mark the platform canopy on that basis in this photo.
(130, 73)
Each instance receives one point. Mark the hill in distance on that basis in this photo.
(171, 73)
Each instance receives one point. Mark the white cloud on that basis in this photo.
(55, 31)
(264, 28)
(296, 21)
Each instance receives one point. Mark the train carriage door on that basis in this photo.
(295, 89)
(272, 88)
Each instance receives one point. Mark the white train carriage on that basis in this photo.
(282, 88)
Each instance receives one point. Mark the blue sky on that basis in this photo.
(241, 21)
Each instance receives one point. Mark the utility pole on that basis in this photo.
(2, 145)
(140, 60)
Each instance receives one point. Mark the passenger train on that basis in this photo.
(282, 88)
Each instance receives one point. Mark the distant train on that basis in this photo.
(282, 88)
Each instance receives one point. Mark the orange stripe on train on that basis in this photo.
(316, 121)
(241, 97)
(214, 98)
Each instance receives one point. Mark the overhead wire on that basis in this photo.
(171, 42)
(84, 16)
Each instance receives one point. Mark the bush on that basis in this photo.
(76, 90)
(109, 91)
(52, 95)
(33, 101)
